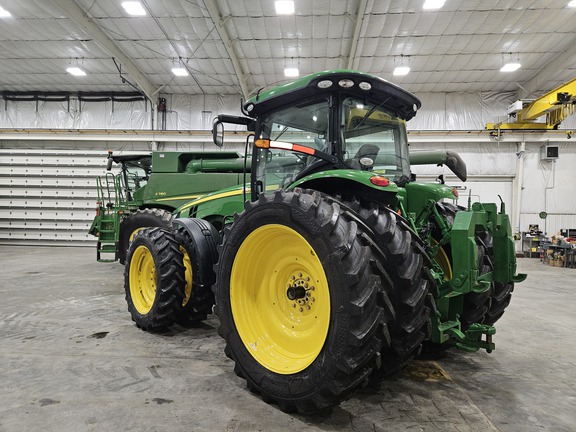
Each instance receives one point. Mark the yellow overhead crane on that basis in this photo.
(556, 105)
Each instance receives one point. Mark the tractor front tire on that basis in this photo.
(154, 279)
(304, 306)
(136, 221)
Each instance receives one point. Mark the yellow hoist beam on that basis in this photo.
(556, 105)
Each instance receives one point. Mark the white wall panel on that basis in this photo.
(75, 115)
(546, 186)
(440, 111)
(549, 186)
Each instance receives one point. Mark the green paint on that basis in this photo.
(164, 180)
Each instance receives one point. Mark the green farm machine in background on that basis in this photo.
(149, 187)
(333, 262)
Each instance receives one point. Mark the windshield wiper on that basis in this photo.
(281, 133)
(369, 113)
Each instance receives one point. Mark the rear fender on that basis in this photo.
(205, 236)
(349, 182)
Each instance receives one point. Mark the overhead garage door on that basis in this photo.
(48, 197)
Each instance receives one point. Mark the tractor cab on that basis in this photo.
(330, 121)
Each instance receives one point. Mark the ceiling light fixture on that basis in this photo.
(76, 71)
(4, 13)
(291, 72)
(402, 66)
(572, 4)
(401, 70)
(433, 4)
(284, 7)
(510, 67)
(511, 62)
(134, 8)
(179, 71)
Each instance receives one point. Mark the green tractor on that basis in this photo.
(333, 263)
(149, 187)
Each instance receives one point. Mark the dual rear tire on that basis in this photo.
(168, 276)
(306, 307)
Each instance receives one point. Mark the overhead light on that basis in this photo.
(284, 7)
(291, 72)
(510, 67)
(4, 13)
(572, 4)
(134, 8)
(180, 71)
(433, 4)
(76, 71)
(401, 70)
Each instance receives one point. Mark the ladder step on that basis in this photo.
(108, 247)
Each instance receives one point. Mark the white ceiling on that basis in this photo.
(239, 46)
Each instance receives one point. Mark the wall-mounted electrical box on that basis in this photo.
(549, 152)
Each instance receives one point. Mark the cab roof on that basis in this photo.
(403, 103)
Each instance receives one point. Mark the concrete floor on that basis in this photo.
(72, 360)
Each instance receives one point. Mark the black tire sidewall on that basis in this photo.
(143, 320)
(168, 296)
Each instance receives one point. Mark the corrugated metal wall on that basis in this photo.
(48, 197)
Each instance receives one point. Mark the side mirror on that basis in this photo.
(218, 132)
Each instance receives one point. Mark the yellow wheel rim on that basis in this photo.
(142, 280)
(443, 261)
(280, 299)
(188, 276)
(135, 232)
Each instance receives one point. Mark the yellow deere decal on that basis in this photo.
(186, 197)
(216, 196)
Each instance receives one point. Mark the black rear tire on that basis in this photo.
(154, 279)
(142, 218)
(404, 261)
(302, 234)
